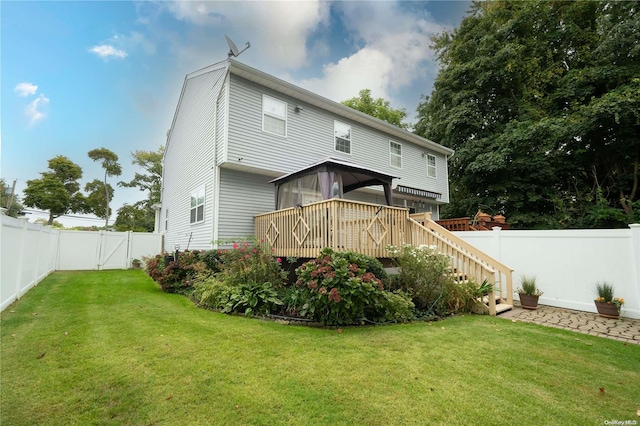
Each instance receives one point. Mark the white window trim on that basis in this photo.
(350, 137)
(197, 192)
(435, 166)
(392, 154)
(286, 120)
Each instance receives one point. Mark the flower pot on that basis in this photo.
(607, 310)
(529, 301)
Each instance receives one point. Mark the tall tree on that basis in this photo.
(149, 182)
(9, 200)
(109, 162)
(378, 108)
(95, 200)
(57, 191)
(540, 100)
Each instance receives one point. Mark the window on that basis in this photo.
(274, 116)
(342, 136)
(431, 165)
(197, 206)
(395, 153)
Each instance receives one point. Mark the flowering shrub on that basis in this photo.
(340, 288)
(250, 261)
(176, 277)
(424, 274)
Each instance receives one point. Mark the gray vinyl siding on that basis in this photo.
(221, 124)
(309, 138)
(190, 162)
(242, 196)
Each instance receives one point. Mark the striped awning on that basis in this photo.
(421, 193)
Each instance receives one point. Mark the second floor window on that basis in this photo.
(431, 165)
(274, 116)
(197, 206)
(395, 153)
(342, 136)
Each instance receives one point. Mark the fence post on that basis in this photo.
(635, 250)
(23, 238)
(497, 243)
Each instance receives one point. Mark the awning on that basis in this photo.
(420, 193)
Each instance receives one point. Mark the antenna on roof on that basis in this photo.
(233, 49)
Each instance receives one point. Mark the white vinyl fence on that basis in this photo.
(30, 252)
(567, 264)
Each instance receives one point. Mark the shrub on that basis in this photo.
(464, 296)
(250, 261)
(423, 274)
(212, 293)
(252, 298)
(177, 277)
(338, 288)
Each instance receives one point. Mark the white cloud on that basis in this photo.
(36, 110)
(393, 52)
(278, 31)
(366, 69)
(26, 89)
(108, 51)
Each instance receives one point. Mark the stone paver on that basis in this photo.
(623, 329)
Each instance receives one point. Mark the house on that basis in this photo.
(236, 128)
(249, 154)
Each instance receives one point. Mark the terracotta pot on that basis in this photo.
(607, 310)
(529, 301)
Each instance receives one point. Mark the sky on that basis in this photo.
(80, 75)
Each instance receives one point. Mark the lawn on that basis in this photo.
(111, 348)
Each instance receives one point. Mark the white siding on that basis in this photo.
(190, 161)
(310, 138)
(242, 196)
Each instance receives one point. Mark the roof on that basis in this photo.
(353, 175)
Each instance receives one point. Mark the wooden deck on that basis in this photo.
(368, 228)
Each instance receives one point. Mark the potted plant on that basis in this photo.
(529, 293)
(607, 305)
(135, 263)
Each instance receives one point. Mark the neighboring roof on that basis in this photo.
(311, 98)
(357, 173)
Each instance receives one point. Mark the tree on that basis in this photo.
(149, 182)
(134, 218)
(9, 201)
(378, 108)
(95, 200)
(58, 189)
(541, 102)
(109, 162)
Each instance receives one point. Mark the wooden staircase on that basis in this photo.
(468, 262)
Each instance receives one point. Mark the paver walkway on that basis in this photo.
(623, 329)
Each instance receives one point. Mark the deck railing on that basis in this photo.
(368, 228)
(340, 224)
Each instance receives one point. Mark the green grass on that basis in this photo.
(111, 348)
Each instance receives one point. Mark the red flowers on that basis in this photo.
(334, 295)
(279, 260)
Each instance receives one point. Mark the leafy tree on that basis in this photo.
(149, 182)
(95, 200)
(541, 101)
(378, 108)
(134, 218)
(15, 207)
(109, 162)
(58, 189)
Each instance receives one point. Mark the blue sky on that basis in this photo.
(82, 75)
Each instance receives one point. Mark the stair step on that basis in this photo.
(485, 299)
(503, 307)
